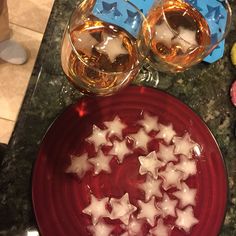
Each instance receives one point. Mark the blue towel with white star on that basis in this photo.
(122, 14)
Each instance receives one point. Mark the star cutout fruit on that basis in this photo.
(79, 165)
(151, 187)
(101, 228)
(167, 206)
(160, 229)
(149, 123)
(98, 137)
(140, 139)
(149, 164)
(111, 46)
(171, 177)
(186, 195)
(134, 227)
(100, 163)
(185, 219)
(119, 149)
(166, 153)
(115, 127)
(97, 209)
(166, 132)
(122, 209)
(148, 211)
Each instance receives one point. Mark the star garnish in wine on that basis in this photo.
(184, 145)
(149, 123)
(185, 219)
(171, 177)
(98, 137)
(167, 206)
(115, 127)
(166, 132)
(134, 227)
(151, 187)
(149, 211)
(149, 164)
(122, 209)
(186, 195)
(101, 228)
(160, 229)
(140, 139)
(79, 165)
(111, 46)
(97, 209)
(101, 163)
(119, 149)
(166, 153)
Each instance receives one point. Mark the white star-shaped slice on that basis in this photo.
(149, 123)
(97, 209)
(84, 42)
(98, 137)
(160, 229)
(115, 127)
(185, 219)
(149, 164)
(134, 227)
(166, 132)
(141, 139)
(171, 177)
(186, 195)
(111, 46)
(119, 149)
(101, 228)
(187, 166)
(101, 163)
(122, 208)
(151, 187)
(148, 211)
(167, 206)
(166, 153)
(184, 145)
(79, 165)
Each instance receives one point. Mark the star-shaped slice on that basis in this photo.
(79, 165)
(101, 228)
(149, 164)
(119, 149)
(149, 123)
(111, 46)
(97, 209)
(160, 229)
(141, 139)
(171, 177)
(134, 227)
(166, 132)
(84, 42)
(151, 187)
(186, 39)
(184, 145)
(148, 211)
(185, 219)
(98, 137)
(122, 209)
(186, 195)
(115, 127)
(187, 166)
(167, 206)
(166, 153)
(101, 163)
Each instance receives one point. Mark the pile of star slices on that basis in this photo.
(165, 164)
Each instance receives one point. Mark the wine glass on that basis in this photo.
(100, 53)
(184, 32)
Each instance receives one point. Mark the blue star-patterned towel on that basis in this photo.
(122, 14)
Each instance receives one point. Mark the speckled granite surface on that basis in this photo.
(205, 88)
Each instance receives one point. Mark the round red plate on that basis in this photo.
(59, 198)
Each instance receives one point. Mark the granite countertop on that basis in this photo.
(205, 88)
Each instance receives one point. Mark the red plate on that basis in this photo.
(59, 198)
